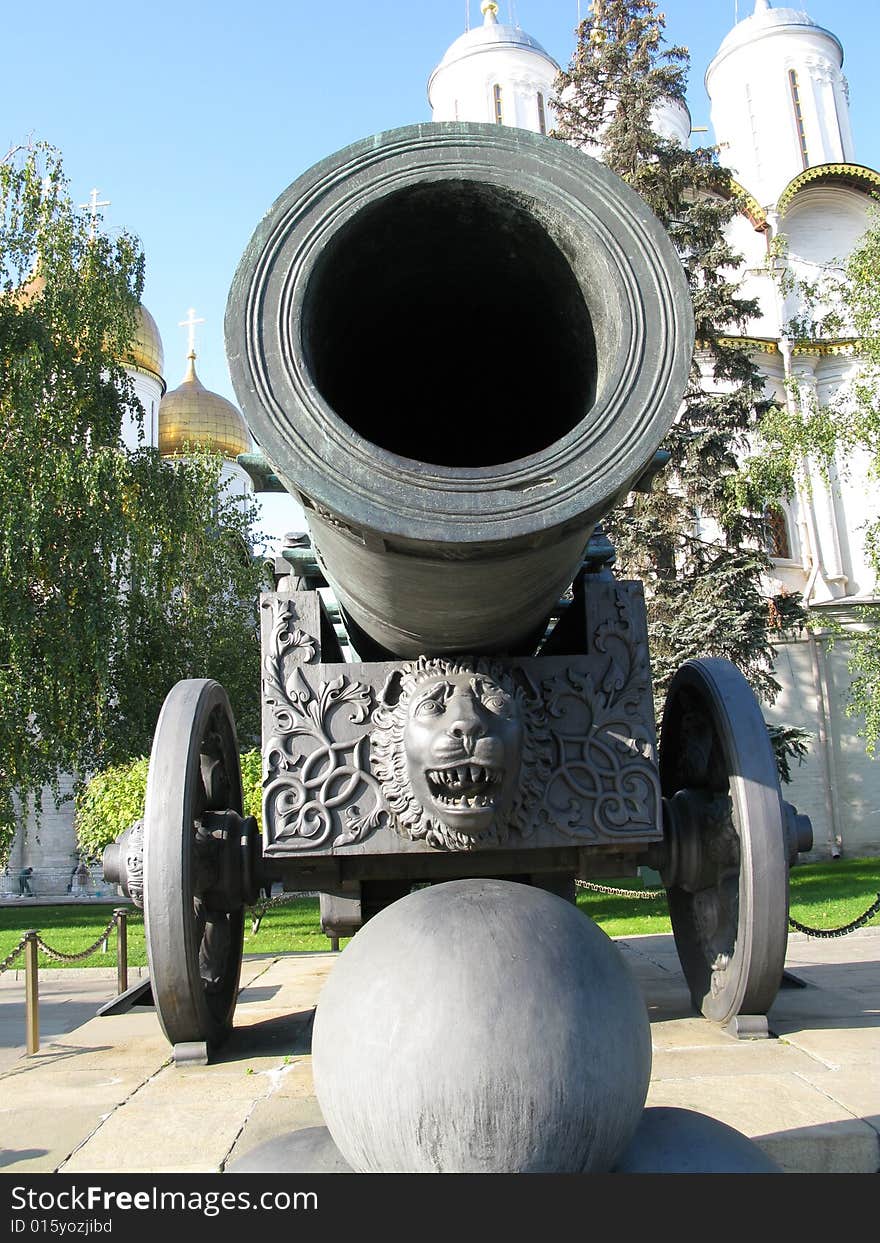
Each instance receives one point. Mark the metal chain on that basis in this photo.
(10, 958)
(62, 957)
(279, 900)
(647, 895)
(838, 932)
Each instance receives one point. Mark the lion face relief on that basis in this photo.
(450, 752)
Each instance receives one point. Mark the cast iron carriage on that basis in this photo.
(458, 347)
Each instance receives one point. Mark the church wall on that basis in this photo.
(838, 785)
(48, 845)
(754, 279)
(149, 393)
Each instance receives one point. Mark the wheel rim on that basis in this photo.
(194, 950)
(716, 761)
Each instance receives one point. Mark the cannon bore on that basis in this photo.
(458, 346)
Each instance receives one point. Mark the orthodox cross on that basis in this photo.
(190, 323)
(92, 208)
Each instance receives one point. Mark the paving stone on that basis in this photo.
(853, 1089)
(795, 1123)
(735, 1057)
(177, 1121)
(836, 1044)
(107, 1092)
(274, 1116)
(43, 1120)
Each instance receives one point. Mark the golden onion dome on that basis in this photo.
(192, 416)
(146, 346)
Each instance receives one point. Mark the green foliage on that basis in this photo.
(252, 784)
(120, 573)
(789, 743)
(108, 803)
(697, 548)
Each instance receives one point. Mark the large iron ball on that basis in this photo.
(481, 1026)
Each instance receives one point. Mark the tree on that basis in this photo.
(121, 572)
(700, 554)
(111, 800)
(841, 302)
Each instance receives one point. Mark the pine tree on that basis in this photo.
(699, 554)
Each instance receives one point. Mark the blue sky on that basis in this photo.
(192, 117)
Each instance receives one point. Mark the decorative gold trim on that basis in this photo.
(825, 349)
(765, 345)
(856, 176)
(750, 207)
(758, 345)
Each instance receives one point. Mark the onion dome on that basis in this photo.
(495, 73)
(146, 347)
(191, 416)
(767, 21)
(488, 37)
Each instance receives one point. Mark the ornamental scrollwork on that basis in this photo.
(604, 778)
(287, 648)
(318, 788)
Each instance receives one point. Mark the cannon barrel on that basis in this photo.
(459, 346)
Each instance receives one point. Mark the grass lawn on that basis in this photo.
(823, 895)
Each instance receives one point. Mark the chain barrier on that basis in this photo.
(10, 958)
(257, 913)
(838, 932)
(647, 895)
(656, 894)
(58, 955)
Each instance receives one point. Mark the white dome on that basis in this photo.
(492, 36)
(767, 21)
(494, 73)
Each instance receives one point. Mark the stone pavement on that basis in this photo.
(104, 1095)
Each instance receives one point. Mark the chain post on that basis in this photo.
(121, 917)
(32, 993)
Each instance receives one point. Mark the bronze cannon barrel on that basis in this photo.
(458, 345)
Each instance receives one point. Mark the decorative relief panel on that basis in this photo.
(318, 790)
(604, 779)
(459, 754)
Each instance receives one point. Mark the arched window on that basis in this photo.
(798, 115)
(542, 114)
(776, 538)
(499, 114)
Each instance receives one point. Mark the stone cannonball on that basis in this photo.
(481, 1026)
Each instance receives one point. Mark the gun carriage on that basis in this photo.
(459, 346)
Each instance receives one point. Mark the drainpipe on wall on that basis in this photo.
(818, 662)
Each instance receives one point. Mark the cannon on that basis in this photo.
(459, 346)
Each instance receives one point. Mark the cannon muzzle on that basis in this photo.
(458, 345)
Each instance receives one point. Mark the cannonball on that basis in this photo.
(481, 1026)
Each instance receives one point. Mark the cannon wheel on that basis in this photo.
(194, 953)
(731, 928)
